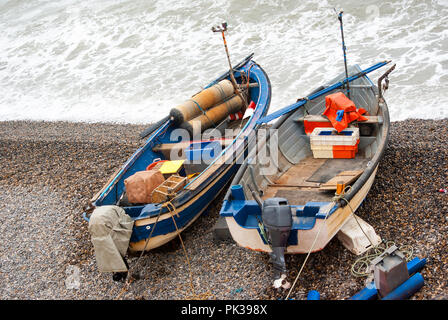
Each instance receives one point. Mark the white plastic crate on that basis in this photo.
(326, 144)
(322, 151)
(319, 138)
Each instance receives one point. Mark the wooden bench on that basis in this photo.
(320, 118)
(346, 177)
(168, 149)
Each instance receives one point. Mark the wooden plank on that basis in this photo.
(346, 177)
(301, 196)
(320, 118)
(167, 148)
(226, 159)
(355, 238)
(299, 185)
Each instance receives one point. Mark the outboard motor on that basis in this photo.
(277, 219)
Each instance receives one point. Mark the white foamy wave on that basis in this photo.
(131, 61)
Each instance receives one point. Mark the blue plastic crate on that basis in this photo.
(203, 151)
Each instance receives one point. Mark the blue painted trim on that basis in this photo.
(337, 85)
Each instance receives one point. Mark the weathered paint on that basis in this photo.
(190, 203)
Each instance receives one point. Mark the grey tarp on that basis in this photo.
(110, 228)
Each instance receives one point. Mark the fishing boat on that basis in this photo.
(201, 166)
(294, 197)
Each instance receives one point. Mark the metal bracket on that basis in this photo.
(386, 85)
(221, 28)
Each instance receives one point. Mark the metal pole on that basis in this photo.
(343, 49)
(222, 29)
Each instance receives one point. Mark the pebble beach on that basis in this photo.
(49, 171)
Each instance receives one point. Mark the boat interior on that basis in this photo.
(294, 173)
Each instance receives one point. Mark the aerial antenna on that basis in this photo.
(222, 28)
(343, 50)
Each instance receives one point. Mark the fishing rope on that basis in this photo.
(223, 98)
(311, 249)
(204, 113)
(125, 288)
(307, 256)
(363, 263)
(131, 279)
(363, 260)
(246, 93)
(221, 91)
(172, 209)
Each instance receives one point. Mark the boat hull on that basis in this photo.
(324, 229)
(192, 210)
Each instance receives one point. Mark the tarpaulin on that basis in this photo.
(341, 111)
(110, 228)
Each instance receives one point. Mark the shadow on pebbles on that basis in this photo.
(50, 169)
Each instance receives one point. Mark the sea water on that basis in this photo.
(130, 61)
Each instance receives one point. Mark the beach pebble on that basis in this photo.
(51, 169)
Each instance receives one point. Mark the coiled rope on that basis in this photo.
(363, 262)
(361, 267)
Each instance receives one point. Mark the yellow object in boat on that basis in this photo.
(171, 167)
(192, 175)
(340, 187)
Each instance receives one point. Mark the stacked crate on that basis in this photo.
(328, 143)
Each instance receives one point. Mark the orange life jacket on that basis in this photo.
(338, 101)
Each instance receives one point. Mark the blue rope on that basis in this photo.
(197, 104)
(203, 112)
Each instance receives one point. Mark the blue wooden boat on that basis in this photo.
(189, 202)
(291, 208)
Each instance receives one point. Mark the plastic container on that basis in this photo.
(309, 126)
(326, 143)
(313, 295)
(202, 151)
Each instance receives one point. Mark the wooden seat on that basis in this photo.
(346, 177)
(168, 149)
(320, 118)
